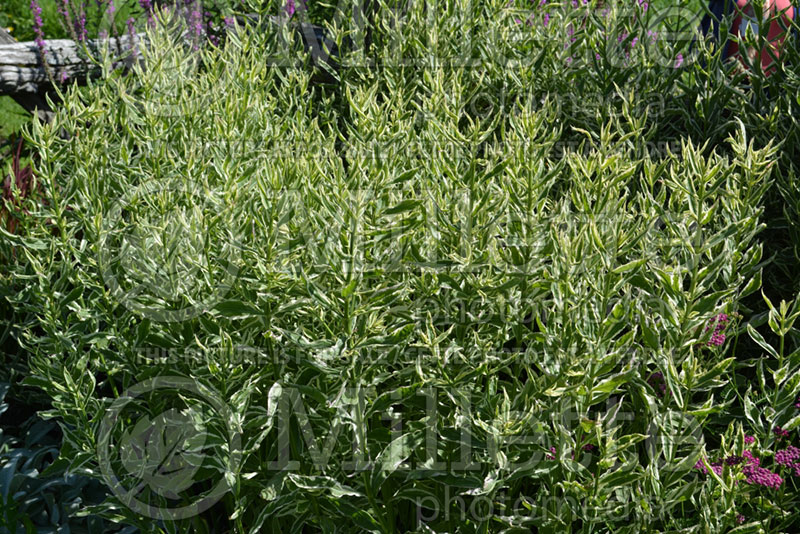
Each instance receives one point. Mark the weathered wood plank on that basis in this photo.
(21, 69)
(5, 37)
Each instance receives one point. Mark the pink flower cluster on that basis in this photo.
(720, 322)
(752, 470)
(757, 475)
(787, 456)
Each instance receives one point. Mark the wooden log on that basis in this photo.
(22, 72)
(5, 37)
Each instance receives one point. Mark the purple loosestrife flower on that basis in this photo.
(80, 24)
(228, 21)
(37, 26)
(678, 63)
(196, 26)
(546, 18)
(63, 9)
(748, 440)
(289, 7)
(132, 36)
(787, 456)
(110, 11)
(797, 403)
(552, 455)
(147, 6)
(740, 519)
(63, 77)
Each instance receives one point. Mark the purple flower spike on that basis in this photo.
(132, 35)
(38, 25)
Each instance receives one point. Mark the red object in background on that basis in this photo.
(778, 13)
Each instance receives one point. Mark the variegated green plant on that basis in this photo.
(464, 289)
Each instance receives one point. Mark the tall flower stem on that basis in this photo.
(40, 44)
